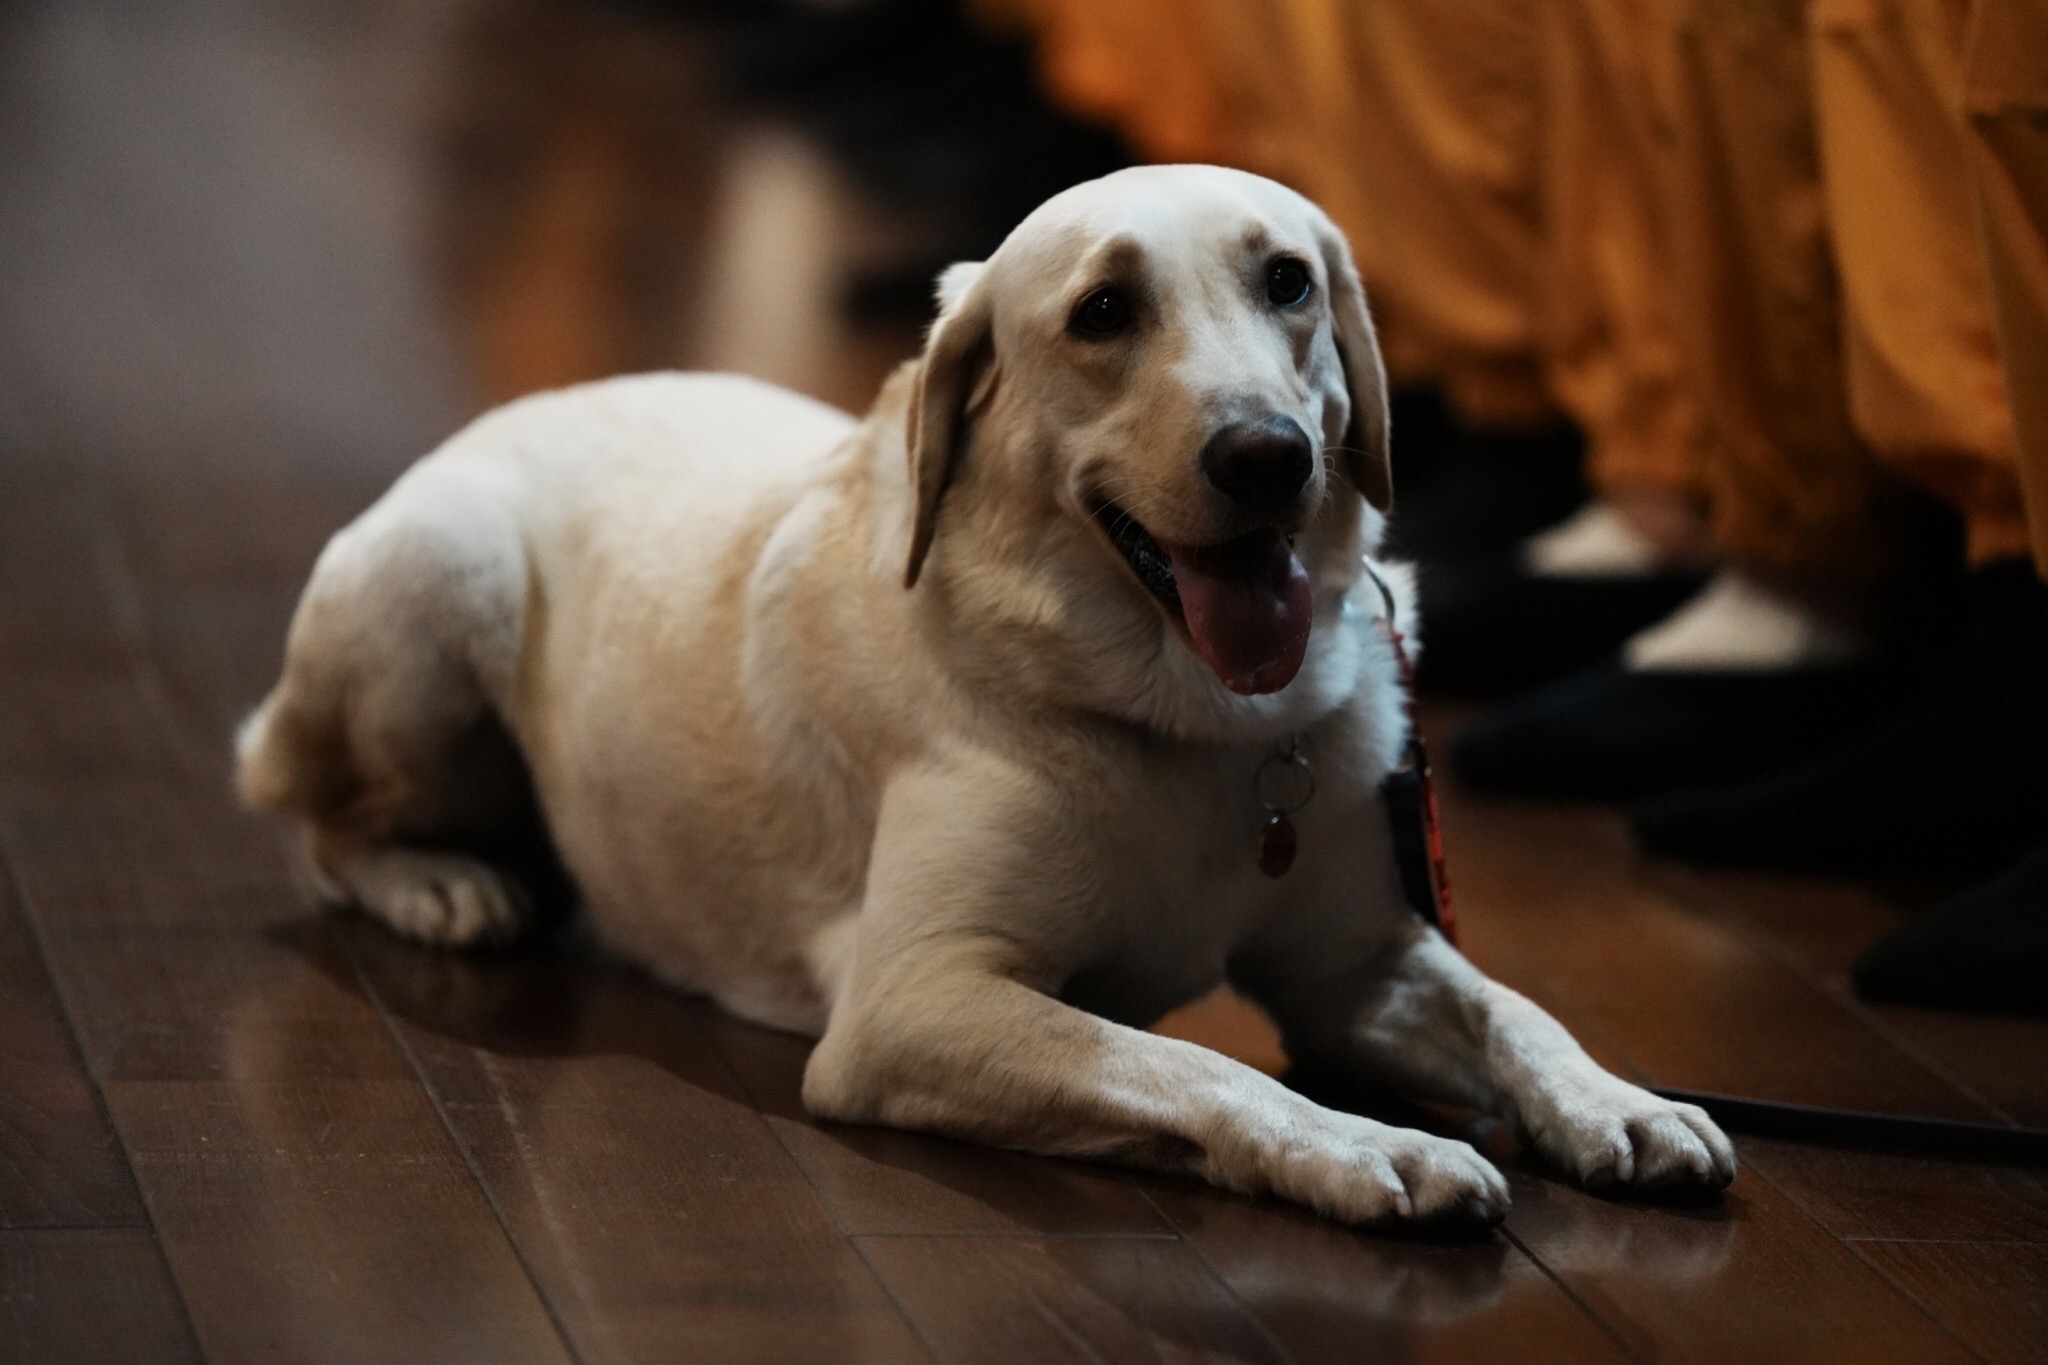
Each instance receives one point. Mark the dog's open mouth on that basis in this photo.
(1244, 602)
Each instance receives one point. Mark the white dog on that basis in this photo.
(940, 735)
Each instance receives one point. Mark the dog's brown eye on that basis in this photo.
(1287, 282)
(1102, 314)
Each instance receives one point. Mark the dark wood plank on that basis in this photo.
(75, 727)
(1552, 903)
(89, 1297)
(221, 649)
(1993, 1295)
(295, 1213)
(2003, 1060)
(1625, 1261)
(1878, 1194)
(1821, 926)
(875, 1180)
(60, 1164)
(650, 1199)
(147, 854)
(282, 1004)
(53, 548)
(1674, 996)
(292, 1209)
(674, 1218)
(1551, 900)
(1750, 1279)
(1819, 923)
(1331, 1294)
(1327, 1292)
(82, 701)
(326, 1221)
(1818, 928)
(1058, 1299)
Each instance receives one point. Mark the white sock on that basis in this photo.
(1594, 542)
(1738, 623)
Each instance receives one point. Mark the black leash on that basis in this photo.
(1947, 1138)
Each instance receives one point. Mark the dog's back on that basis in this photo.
(400, 732)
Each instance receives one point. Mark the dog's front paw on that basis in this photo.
(1615, 1136)
(1371, 1173)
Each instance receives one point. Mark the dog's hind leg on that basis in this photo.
(454, 899)
(383, 736)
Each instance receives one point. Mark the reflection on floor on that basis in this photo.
(258, 259)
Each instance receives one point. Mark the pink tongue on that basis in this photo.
(1247, 605)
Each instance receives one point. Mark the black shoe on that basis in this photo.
(1616, 735)
(1489, 629)
(1475, 493)
(1986, 949)
(1950, 785)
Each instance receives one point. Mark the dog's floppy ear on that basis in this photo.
(955, 355)
(1366, 462)
(954, 282)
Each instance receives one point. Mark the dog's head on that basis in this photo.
(1174, 365)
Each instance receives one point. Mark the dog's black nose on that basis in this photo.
(1260, 466)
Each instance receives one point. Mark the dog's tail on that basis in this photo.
(263, 770)
(286, 760)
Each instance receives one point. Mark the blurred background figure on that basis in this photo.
(1777, 271)
(862, 149)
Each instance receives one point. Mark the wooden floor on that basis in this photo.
(250, 266)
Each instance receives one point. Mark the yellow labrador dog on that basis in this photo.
(939, 735)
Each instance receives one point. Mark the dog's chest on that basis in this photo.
(1164, 946)
(1181, 889)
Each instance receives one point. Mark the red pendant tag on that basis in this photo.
(1277, 845)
